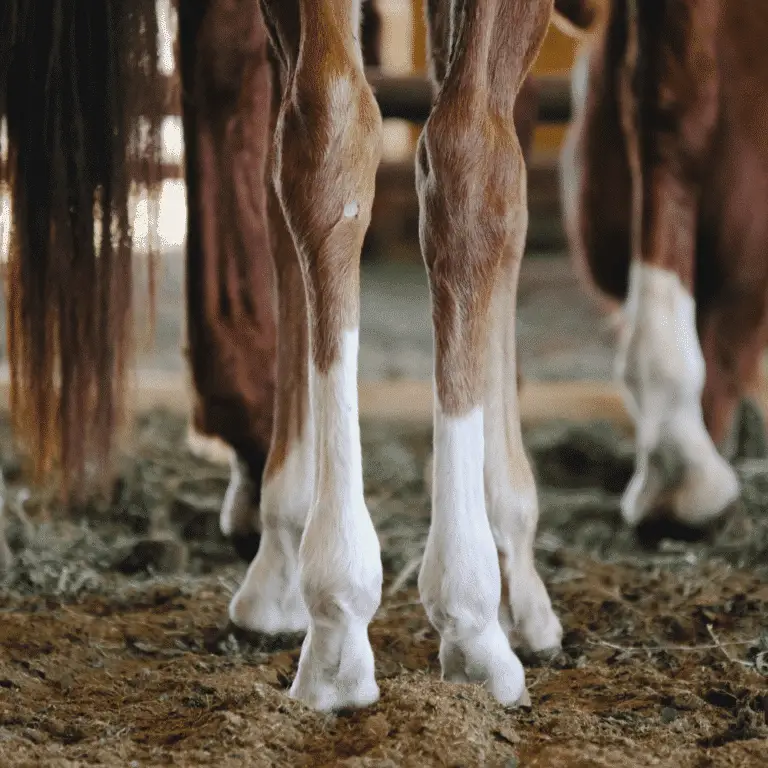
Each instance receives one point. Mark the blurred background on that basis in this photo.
(562, 336)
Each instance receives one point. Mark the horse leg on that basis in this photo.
(327, 149)
(230, 322)
(473, 206)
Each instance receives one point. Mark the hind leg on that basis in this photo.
(230, 321)
(595, 181)
(269, 600)
(679, 470)
(733, 334)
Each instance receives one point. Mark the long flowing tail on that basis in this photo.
(81, 97)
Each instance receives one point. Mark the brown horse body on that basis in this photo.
(666, 167)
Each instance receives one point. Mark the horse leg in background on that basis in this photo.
(226, 82)
(473, 220)
(733, 336)
(679, 472)
(595, 181)
(6, 557)
(269, 600)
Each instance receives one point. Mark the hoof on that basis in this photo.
(691, 486)
(336, 669)
(269, 600)
(541, 658)
(486, 659)
(264, 642)
(246, 544)
(663, 525)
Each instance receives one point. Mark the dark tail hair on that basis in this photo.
(75, 77)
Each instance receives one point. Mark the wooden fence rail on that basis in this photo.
(409, 98)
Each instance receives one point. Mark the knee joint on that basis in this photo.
(471, 183)
(329, 146)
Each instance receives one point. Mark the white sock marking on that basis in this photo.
(459, 582)
(269, 599)
(661, 366)
(340, 557)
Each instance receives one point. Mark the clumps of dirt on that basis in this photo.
(115, 646)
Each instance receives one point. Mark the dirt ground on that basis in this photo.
(114, 648)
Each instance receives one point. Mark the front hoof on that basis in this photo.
(268, 605)
(336, 670)
(332, 697)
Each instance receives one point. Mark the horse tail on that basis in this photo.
(81, 98)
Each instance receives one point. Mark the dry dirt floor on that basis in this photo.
(114, 646)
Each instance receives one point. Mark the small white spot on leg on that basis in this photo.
(340, 558)
(351, 210)
(340, 97)
(661, 366)
(460, 582)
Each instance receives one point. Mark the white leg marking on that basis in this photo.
(510, 489)
(662, 368)
(237, 513)
(269, 599)
(460, 581)
(340, 558)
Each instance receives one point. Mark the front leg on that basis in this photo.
(328, 146)
(471, 185)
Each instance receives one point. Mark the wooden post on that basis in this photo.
(419, 28)
(556, 58)
(419, 48)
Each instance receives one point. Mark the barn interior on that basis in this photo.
(114, 643)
